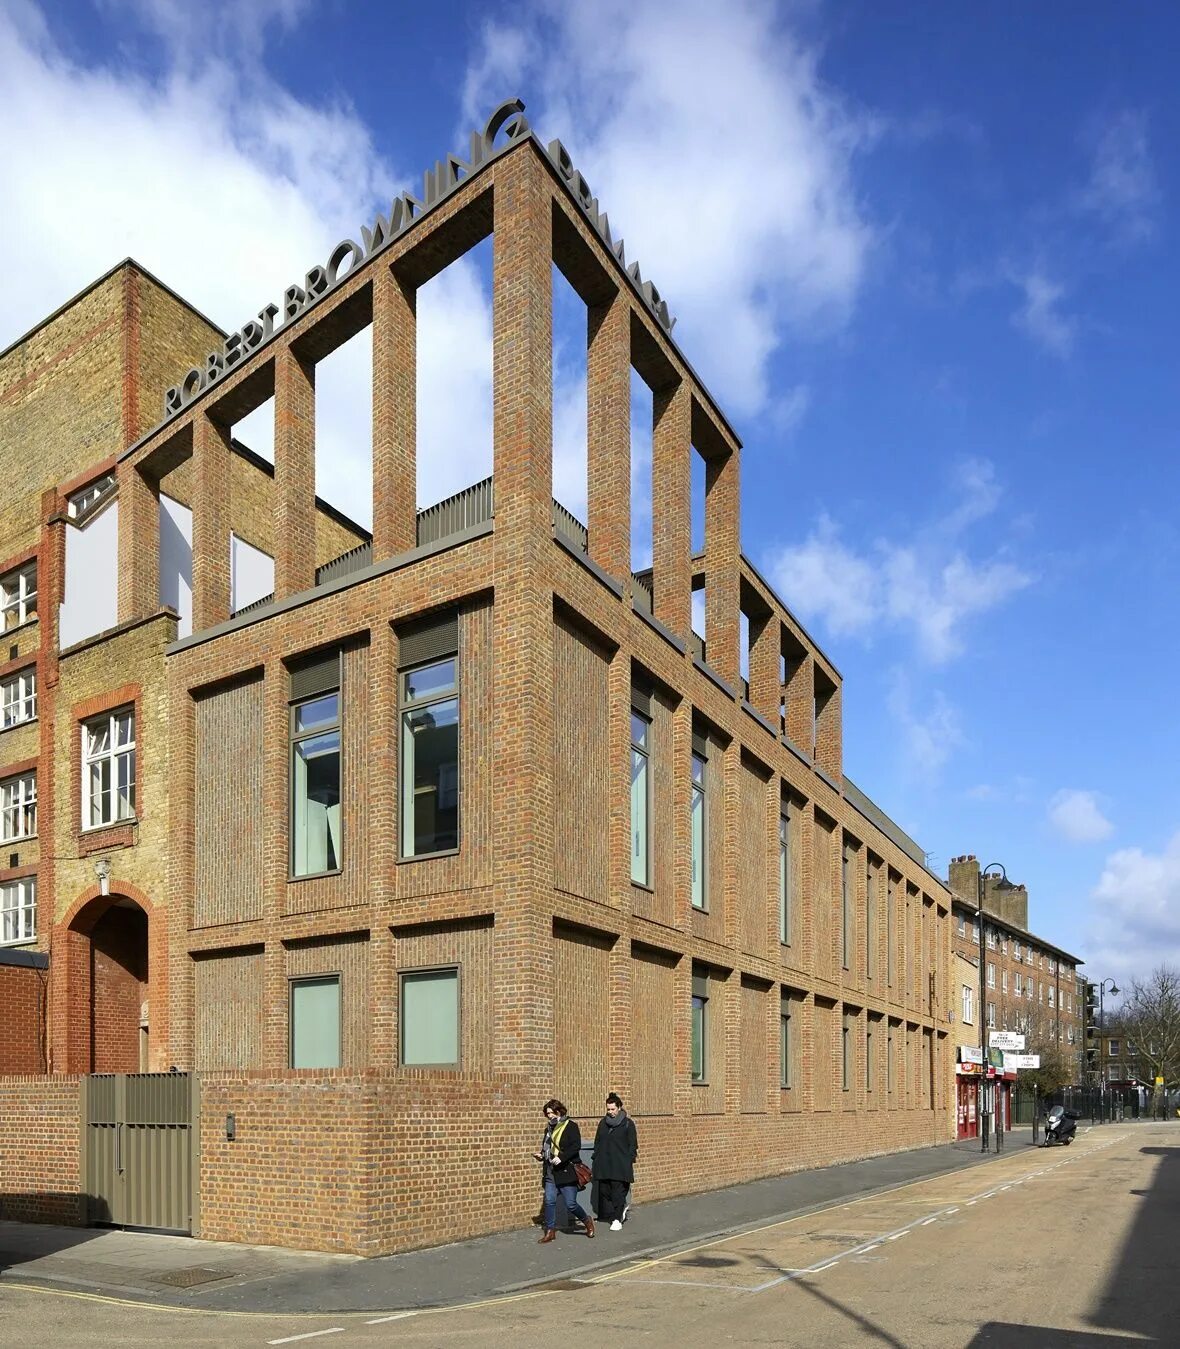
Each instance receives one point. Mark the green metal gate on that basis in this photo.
(140, 1149)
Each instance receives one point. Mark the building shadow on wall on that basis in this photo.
(1141, 1295)
(34, 1226)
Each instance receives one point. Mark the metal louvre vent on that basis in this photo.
(428, 639)
(700, 744)
(641, 701)
(319, 675)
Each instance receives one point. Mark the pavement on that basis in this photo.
(171, 1271)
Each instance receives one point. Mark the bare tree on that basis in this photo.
(1150, 1016)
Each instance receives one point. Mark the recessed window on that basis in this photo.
(700, 888)
(429, 1018)
(786, 879)
(18, 699)
(846, 906)
(84, 501)
(786, 1045)
(108, 769)
(18, 596)
(315, 785)
(18, 808)
(846, 1054)
(430, 759)
(640, 797)
(18, 911)
(315, 1022)
(700, 1026)
(968, 1005)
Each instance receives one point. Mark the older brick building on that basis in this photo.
(468, 815)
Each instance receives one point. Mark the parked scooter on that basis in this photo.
(1060, 1125)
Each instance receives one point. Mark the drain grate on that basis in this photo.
(190, 1278)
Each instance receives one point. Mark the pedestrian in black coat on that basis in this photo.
(560, 1148)
(616, 1146)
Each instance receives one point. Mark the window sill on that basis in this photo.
(16, 725)
(428, 856)
(91, 829)
(700, 908)
(315, 876)
(641, 885)
(18, 842)
(20, 627)
(16, 945)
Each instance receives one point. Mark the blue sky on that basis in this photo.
(923, 256)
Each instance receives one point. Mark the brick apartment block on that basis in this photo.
(463, 814)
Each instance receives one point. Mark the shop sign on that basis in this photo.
(1005, 1039)
(970, 1054)
(1015, 1062)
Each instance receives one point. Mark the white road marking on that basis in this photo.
(397, 1316)
(311, 1335)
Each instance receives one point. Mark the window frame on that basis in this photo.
(418, 971)
(968, 1005)
(22, 885)
(24, 682)
(846, 1051)
(295, 738)
(25, 594)
(786, 1044)
(846, 918)
(19, 806)
(786, 877)
(699, 1004)
(327, 977)
(643, 751)
(407, 707)
(699, 791)
(112, 754)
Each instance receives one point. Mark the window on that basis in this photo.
(315, 775)
(430, 1018)
(1003, 944)
(1069, 1032)
(991, 974)
(18, 911)
(975, 931)
(1052, 996)
(962, 926)
(846, 907)
(700, 889)
(890, 1061)
(1016, 951)
(18, 596)
(108, 769)
(700, 1003)
(18, 808)
(890, 931)
(18, 699)
(846, 1053)
(1113, 1049)
(640, 796)
(991, 1015)
(1132, 1050)
(786, 1045)
(968, 1005)
(430, 758)
(1004, 980)
(315, 1022)
(869, 1041)
(872, 876)
(82, 502)
(1018, 983)
(991, 939)
(786, 880)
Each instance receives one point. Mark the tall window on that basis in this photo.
(18, 808)
(890, 1061)
(700, 887)
(429, 1018)
(108, 769)
(786, 879)
(846, 906)
(18, 911)
(430, 758)
(968, 1005)
(640, 797)
(991, 1015)
(18, 699)
(18, 596)
(315, 1022)
(786, 1045)
(315, 783)
(872, 877)
(846, 1053)
(991, 974)
(890, 931)
(700, 1026)
(1004, 981)
(962, 926)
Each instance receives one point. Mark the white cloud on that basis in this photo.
(228, 188)
(930, 733)
(747, 221)
(1122, 189)
(1135, 913)
(1040, 315)
(1076, 816)
(930, 590)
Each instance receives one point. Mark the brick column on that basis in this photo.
(765, 685)
(608, 441)
(800, 699)
(180, 874)
(139, 544)
(295, 553)
(522, 620)
(671, 508)
(723, 550)
(210, 522)
(395, 430)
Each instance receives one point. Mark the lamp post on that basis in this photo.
(1114, 988)
(986, 1088)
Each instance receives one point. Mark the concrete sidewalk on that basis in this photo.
(178, 1271)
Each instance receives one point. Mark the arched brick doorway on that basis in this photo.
(104, 1008)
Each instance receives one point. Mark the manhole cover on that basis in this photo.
(190, 1278)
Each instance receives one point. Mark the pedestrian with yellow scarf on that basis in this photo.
(561, 1147)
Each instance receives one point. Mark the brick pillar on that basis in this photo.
(395, 430)
(522, 622)
(829, 753)
(276, 860)
(295, 553)
(608, 441)
(671, 508)
(799, 694)
(765, 688)
(210, 522)
(139, 543)
(181, 880)
(723, 549)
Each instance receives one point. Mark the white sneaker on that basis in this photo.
(616, 1226)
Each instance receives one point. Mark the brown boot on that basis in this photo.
(550, 1235)
(589, 1225)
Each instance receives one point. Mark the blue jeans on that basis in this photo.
(569, 1193)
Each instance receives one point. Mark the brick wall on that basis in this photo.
(23, 1008)
(40, 1149)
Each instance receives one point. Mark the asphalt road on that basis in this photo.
(1042, 1248)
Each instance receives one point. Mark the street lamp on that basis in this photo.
(1114, 988)
(987, 1093)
